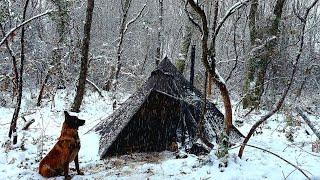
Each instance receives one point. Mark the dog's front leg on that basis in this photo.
(76, 161)
(66, 171)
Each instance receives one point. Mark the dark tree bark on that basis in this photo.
(192, 58)
(62, 23)
(13, 125)
(125, 8)
(160, 29)
(14, 65)
(84, 58)
(43, 85)
(184, 47)
(212, 46)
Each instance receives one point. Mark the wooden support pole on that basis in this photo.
(193, 57)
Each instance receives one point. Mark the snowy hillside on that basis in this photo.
(21, 161)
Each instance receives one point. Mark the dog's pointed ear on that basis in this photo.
(66, 114)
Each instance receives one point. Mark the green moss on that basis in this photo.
(180, 64)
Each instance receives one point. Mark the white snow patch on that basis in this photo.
(17, 163)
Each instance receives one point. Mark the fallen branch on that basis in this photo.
(309, 123)
(278, 156)
(27, 125)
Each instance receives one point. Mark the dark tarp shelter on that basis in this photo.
(165, 109)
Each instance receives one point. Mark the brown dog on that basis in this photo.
(65, 151)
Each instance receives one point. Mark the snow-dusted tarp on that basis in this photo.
(165, 107)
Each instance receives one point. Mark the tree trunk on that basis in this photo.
(15, 81)
(160, 29)
(212, 50)
(61, 28)
(122, 32)
(84, 58)
(57, 58)
(126, 8)
(257, 64)
(39, 99)
(184, 48)
(13, 125)
(193, 58)
(280, 102)
(216, 78)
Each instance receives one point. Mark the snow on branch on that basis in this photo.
(22, 24)
(231, 10)
(191, 19)
(261, 49)
(95, 87)
(219, 77)
(135, 18)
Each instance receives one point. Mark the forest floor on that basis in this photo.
(21, 161)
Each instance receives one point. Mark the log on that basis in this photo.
(26, 126)
(309, 123)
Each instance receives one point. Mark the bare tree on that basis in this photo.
(125, 24)
(211, 69)
(14, 65)
(279, 103)
(21, 25)
(13, 124)
(160, 31)
(264, 41)
(84, 58)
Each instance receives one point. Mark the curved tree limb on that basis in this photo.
(233, 9)
(284, 94)
(191, 19)
(14, 64)
(23, 24)
(278, 156)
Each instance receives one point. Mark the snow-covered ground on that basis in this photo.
(22, 160)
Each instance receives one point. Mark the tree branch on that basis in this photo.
(307, 120)
(235, 7)
(22, 24)
(191, 19)
(284, 95)
(135, 18)
(278, 156)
